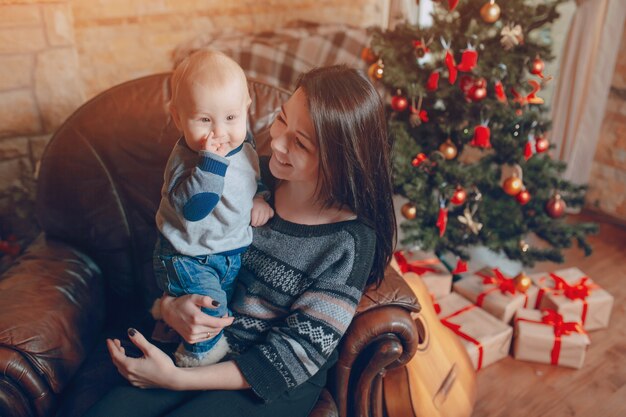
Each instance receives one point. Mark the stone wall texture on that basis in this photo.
(56, 54)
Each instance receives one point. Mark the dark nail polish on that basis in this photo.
(132, 332)
(215, 303)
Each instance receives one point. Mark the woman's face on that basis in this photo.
(295, 154)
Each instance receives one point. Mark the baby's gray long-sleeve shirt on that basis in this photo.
(206, 199)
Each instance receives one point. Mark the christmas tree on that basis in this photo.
(469, 128)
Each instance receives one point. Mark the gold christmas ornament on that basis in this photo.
(522, 282)
(409, 211)
(490, 12)
(448, 149)
(376, 70)
(512, 185)
(524, 246)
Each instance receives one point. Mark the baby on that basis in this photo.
(211, 192)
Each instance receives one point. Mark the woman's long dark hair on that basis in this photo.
(355, 168)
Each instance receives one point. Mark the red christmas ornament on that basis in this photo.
(451, 65)
(537, 67)
(530, 98)
(433, 81)
(469, 59)
(459, 196)
(419, 158)
(368, 55)
(541, 144)
(528, 150)
(477, 93)
(555, 207)
(399, 103)
(523, 197)
(500, 94)
(442, 220)
(482, 137)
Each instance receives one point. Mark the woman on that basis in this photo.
(302, 277)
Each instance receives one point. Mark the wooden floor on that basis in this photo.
(512, 388)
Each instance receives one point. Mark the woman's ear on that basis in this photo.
(176, 117)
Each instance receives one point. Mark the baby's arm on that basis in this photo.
(261, 211)
(195, 185)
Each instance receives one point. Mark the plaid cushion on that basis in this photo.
(280, 56)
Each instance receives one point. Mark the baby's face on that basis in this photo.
(215, 113)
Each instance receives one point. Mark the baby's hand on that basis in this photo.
(261, 212)
(210, 144)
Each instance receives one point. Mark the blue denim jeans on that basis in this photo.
(212, 275)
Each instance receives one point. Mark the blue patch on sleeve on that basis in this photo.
(199, 206)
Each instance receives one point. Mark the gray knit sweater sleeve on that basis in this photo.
(195, 190)
(298, 292)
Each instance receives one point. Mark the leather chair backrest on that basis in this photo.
(101, 174)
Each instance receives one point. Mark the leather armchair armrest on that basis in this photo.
(382, 336)
(51, 308)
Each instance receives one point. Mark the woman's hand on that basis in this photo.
(154, 370)
(183, 314)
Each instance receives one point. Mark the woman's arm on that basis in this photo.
(156, 370)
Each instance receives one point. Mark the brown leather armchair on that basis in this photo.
(98, 190)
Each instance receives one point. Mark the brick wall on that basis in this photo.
(607, 187)
(56, 54)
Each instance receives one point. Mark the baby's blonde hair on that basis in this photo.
(213, 66)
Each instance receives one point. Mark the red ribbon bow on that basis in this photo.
(420, 267)
(579, 291)
(501, 282)
(560, 327)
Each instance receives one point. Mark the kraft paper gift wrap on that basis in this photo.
(496, 293)
(433, 272)
(486, 338)
(548, 337)
(571, 291)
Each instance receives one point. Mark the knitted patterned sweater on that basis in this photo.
(298, 290)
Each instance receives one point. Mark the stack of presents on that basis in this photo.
(542, 317)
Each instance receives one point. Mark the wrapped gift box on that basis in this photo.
(496, 293)
(433, 272)
(486, 338)
(571, 291)
(548, 337)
